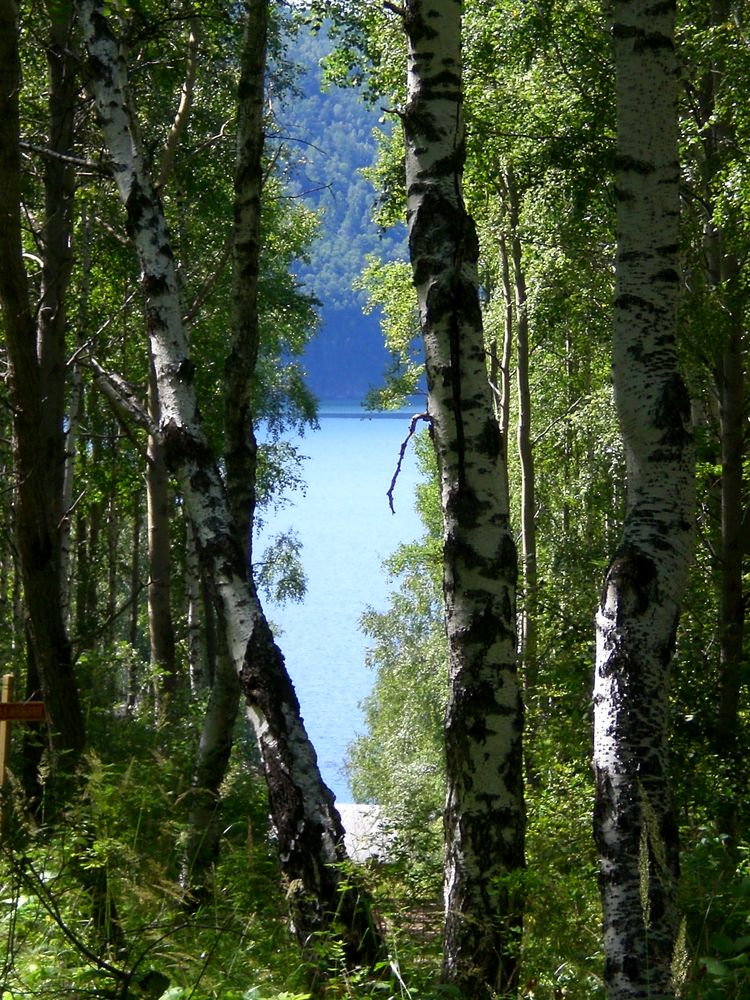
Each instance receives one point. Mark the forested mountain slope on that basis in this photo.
(330, 134)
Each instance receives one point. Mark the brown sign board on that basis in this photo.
(22, 711)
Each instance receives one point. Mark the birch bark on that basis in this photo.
(635, 827)
(307, 826)
(241, 447)
(484, 816)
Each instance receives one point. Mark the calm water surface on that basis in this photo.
(347, 530)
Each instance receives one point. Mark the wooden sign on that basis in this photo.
(14, 711)
(22, 711)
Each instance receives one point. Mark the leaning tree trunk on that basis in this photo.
(307, 826)
(484, 817)
(635, 827)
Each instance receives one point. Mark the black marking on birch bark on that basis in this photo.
(642, 40)
(417, 28)
(185, 371)
(630, 164)
(635, 302)
(632, 574)
(181, 446)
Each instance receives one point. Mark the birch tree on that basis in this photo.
(241, 445)
(635, 826)
(484, 815)
(306, 824)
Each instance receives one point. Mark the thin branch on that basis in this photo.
(402, 452)
(553, 423)
(122, 396)
(76, 161)
(40, 889)
(183, 110)
(209, 284)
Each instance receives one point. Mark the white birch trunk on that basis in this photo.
(634, 823)
(484, 817)
(307, 825)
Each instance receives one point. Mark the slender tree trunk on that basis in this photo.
(635, 827)
(72, 429)
(728, 285)
(484, 817)
(500, 364)
(161, 628)
(204, 818)
(528, 617)
(132, 680)
(241, 448)
(113, 562)
(308, 827)
(36, 380)
(196, 634)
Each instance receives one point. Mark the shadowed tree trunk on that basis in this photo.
(160, 626)
(484, 816)
(725, 278)
(635, 827)
(36, 356)
(528, 617)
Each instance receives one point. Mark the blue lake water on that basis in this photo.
(347, 530)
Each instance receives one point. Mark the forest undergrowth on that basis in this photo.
(93, 904)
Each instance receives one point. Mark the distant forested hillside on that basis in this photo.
(330, 134)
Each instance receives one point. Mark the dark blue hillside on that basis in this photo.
(332, 135)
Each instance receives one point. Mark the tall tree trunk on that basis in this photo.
(36, 376)
(204, 816)
(728, 285)
(131, 692)
(160, 626)
(484, 816)
(72, 429)
(196, 632)
(500, 363)
(241, 448)
(307, 825)
(635, 827)
(528, 617)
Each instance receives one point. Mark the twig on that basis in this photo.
(402, 452)
(75, 161)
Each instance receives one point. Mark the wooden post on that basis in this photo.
(14, 711)
(5, 728)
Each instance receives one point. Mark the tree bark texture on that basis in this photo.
(307, 826)
(635, 827)
(240, 447)
(37, 374)
(484, 816)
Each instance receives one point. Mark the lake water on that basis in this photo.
(347, 530)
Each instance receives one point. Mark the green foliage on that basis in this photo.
(126, 826)
(389, 289)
